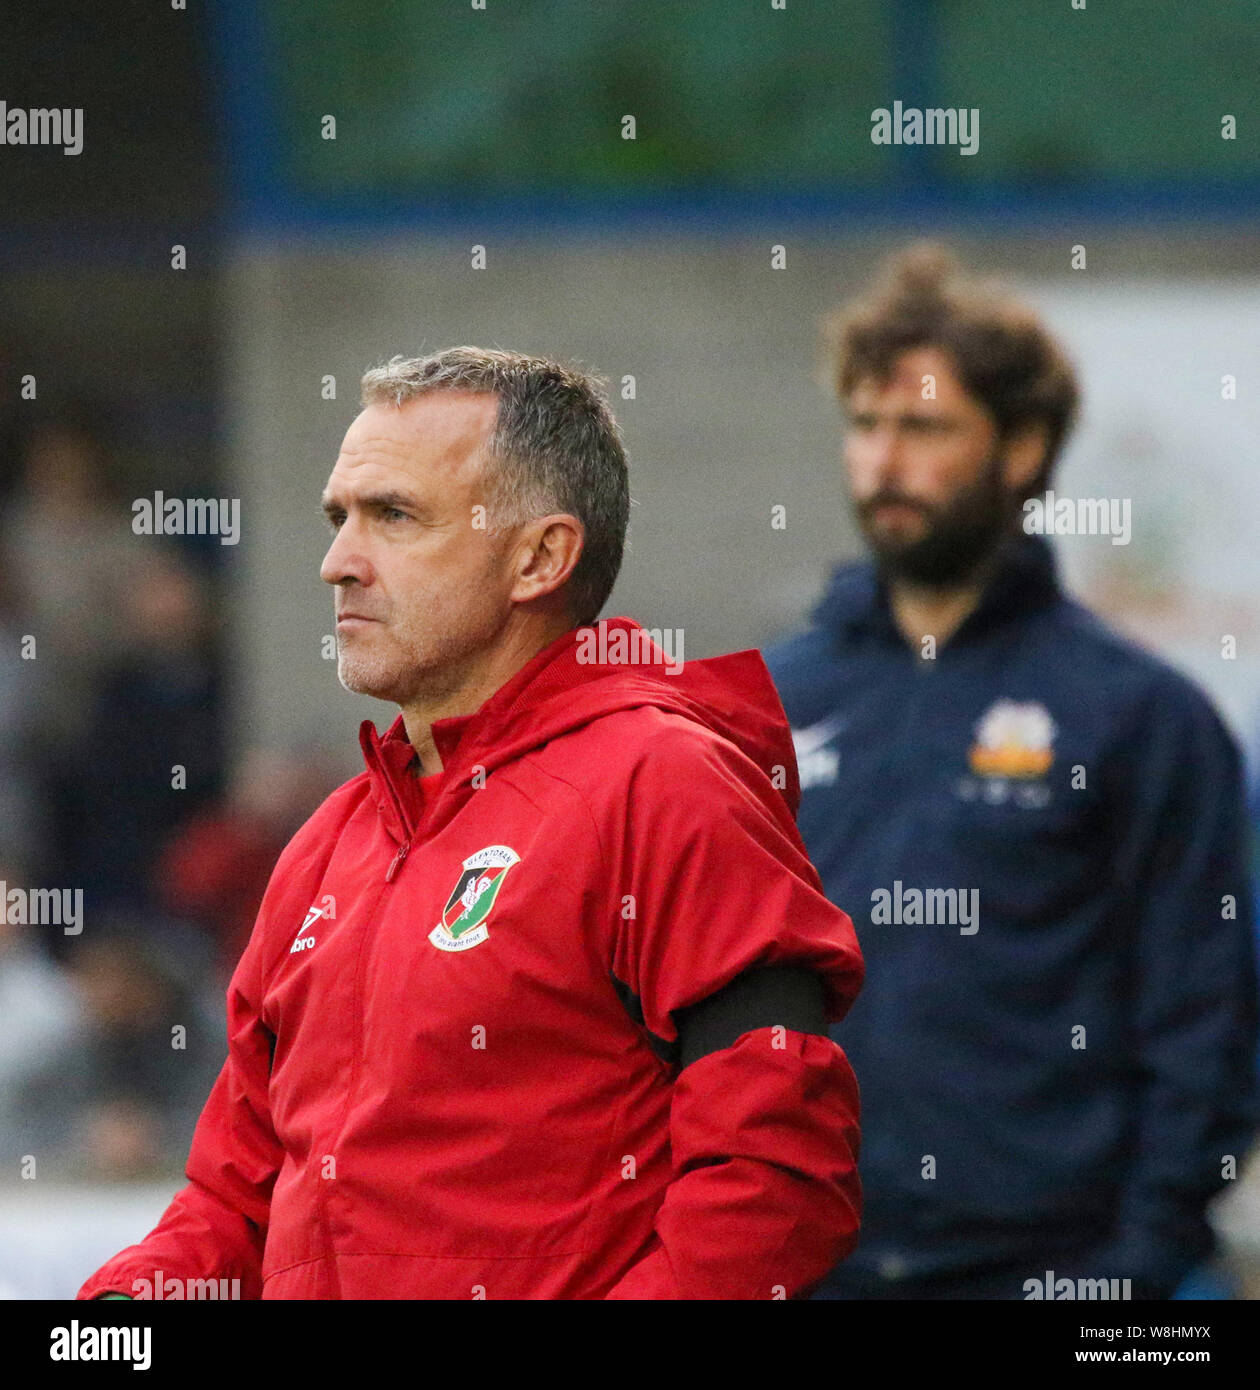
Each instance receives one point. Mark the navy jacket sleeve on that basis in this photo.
(1183, 861)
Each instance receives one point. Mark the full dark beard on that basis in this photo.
(959, 539)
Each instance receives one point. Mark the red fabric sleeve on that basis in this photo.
(764, 1198)
(216, 1226)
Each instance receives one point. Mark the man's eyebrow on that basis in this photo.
(376, 501)
(901, 415)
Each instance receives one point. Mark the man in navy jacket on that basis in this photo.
(1038, 829)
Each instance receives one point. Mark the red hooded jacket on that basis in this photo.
(448, 1071)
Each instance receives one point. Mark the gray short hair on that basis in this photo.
(555, 444)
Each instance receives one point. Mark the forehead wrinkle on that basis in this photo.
(361, 451)
(430, 444)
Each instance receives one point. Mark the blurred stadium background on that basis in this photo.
(311, 258)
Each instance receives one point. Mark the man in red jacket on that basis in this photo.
(536, 1006)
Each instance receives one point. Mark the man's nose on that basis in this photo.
(886, 451)
(876, 459)
(345, 559)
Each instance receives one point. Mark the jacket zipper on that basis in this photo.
(396, 863)
(408, 833)
(390, 874)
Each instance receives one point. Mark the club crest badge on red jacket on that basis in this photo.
(464, 921)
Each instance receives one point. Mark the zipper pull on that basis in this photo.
(398, 859)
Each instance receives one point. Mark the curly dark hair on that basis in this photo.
(1004, 355)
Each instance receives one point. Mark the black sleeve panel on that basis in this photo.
(763, 997)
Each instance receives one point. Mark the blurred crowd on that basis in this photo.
(116, 781)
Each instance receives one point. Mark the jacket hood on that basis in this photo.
(588, 672)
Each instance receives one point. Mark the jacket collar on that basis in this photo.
(583, 675)
(1025, 578)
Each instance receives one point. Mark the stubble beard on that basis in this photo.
(421, 667)
(399, 675)
(362, 673)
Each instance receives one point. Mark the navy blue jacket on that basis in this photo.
(1075, 1064)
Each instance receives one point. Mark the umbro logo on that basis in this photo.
(304, 941)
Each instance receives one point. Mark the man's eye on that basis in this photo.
(392, 512)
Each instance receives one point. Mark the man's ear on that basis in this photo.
(1024, 455)
(552, 548)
